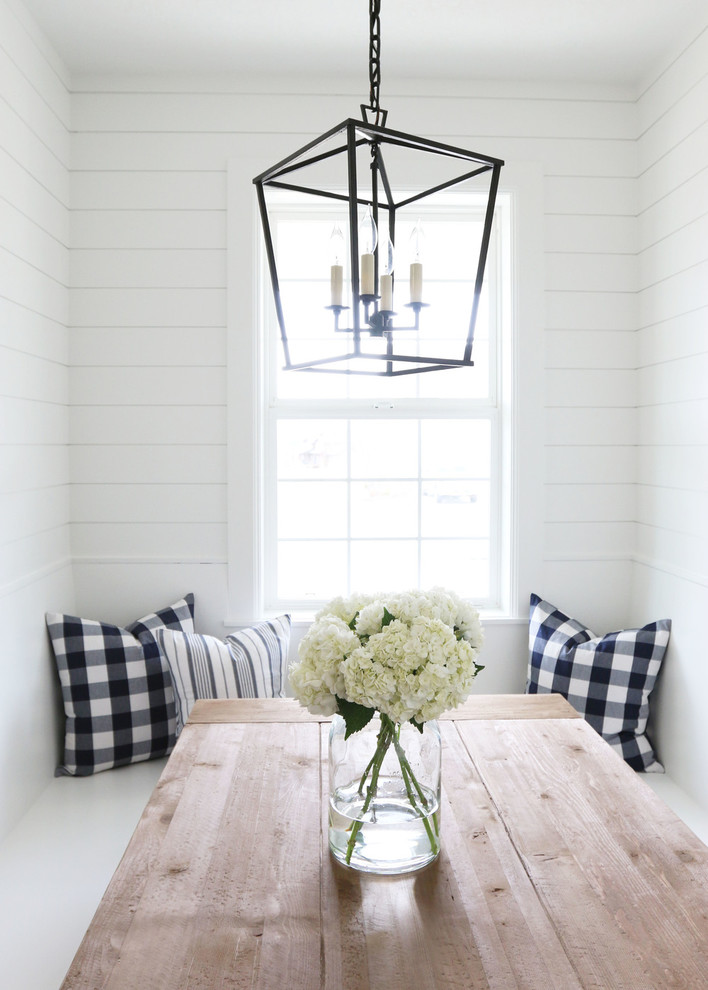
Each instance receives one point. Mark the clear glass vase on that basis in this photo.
(384, 800)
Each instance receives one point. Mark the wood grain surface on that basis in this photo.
(484, 706)
(559, 869)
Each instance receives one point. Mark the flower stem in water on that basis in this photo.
(384, 741)
(390, 733)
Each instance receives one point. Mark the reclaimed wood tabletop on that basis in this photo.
(559, 868)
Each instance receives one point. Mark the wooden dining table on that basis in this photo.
(560, 868)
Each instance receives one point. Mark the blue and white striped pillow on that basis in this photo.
(249, 664)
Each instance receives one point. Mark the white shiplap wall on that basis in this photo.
(149, 379)
(671, 576)
(35, 571)
(148, 385)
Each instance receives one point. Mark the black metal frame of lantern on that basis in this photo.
(367, 318)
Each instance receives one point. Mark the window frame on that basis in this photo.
(461, 208)
(519, 560)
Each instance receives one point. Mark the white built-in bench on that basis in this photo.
(680, 803)
(56, 864)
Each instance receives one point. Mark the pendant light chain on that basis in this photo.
(375, 56)
(378, 116)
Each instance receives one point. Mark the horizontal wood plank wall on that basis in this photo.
(672, 466)
(35, 572)
(149, 380)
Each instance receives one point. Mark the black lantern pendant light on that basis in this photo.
(374, 182)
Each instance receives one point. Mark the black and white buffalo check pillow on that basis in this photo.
(607, 679)
(249, 664)
(118, 696)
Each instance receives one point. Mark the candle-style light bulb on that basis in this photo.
(367, 245)
(336, 245)
(386, 255)
(417, 243)
(386, 260)
(336, 270)
(368, 235)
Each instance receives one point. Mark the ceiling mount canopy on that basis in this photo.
(375, 186)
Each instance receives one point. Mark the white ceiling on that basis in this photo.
(608, 41)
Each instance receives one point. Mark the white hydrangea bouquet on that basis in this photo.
(408, 657)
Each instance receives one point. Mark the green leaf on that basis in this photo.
(355, 716)
(387, 618)
(352, 624)
(419, 725)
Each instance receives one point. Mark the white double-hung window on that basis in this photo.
(368, 483)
